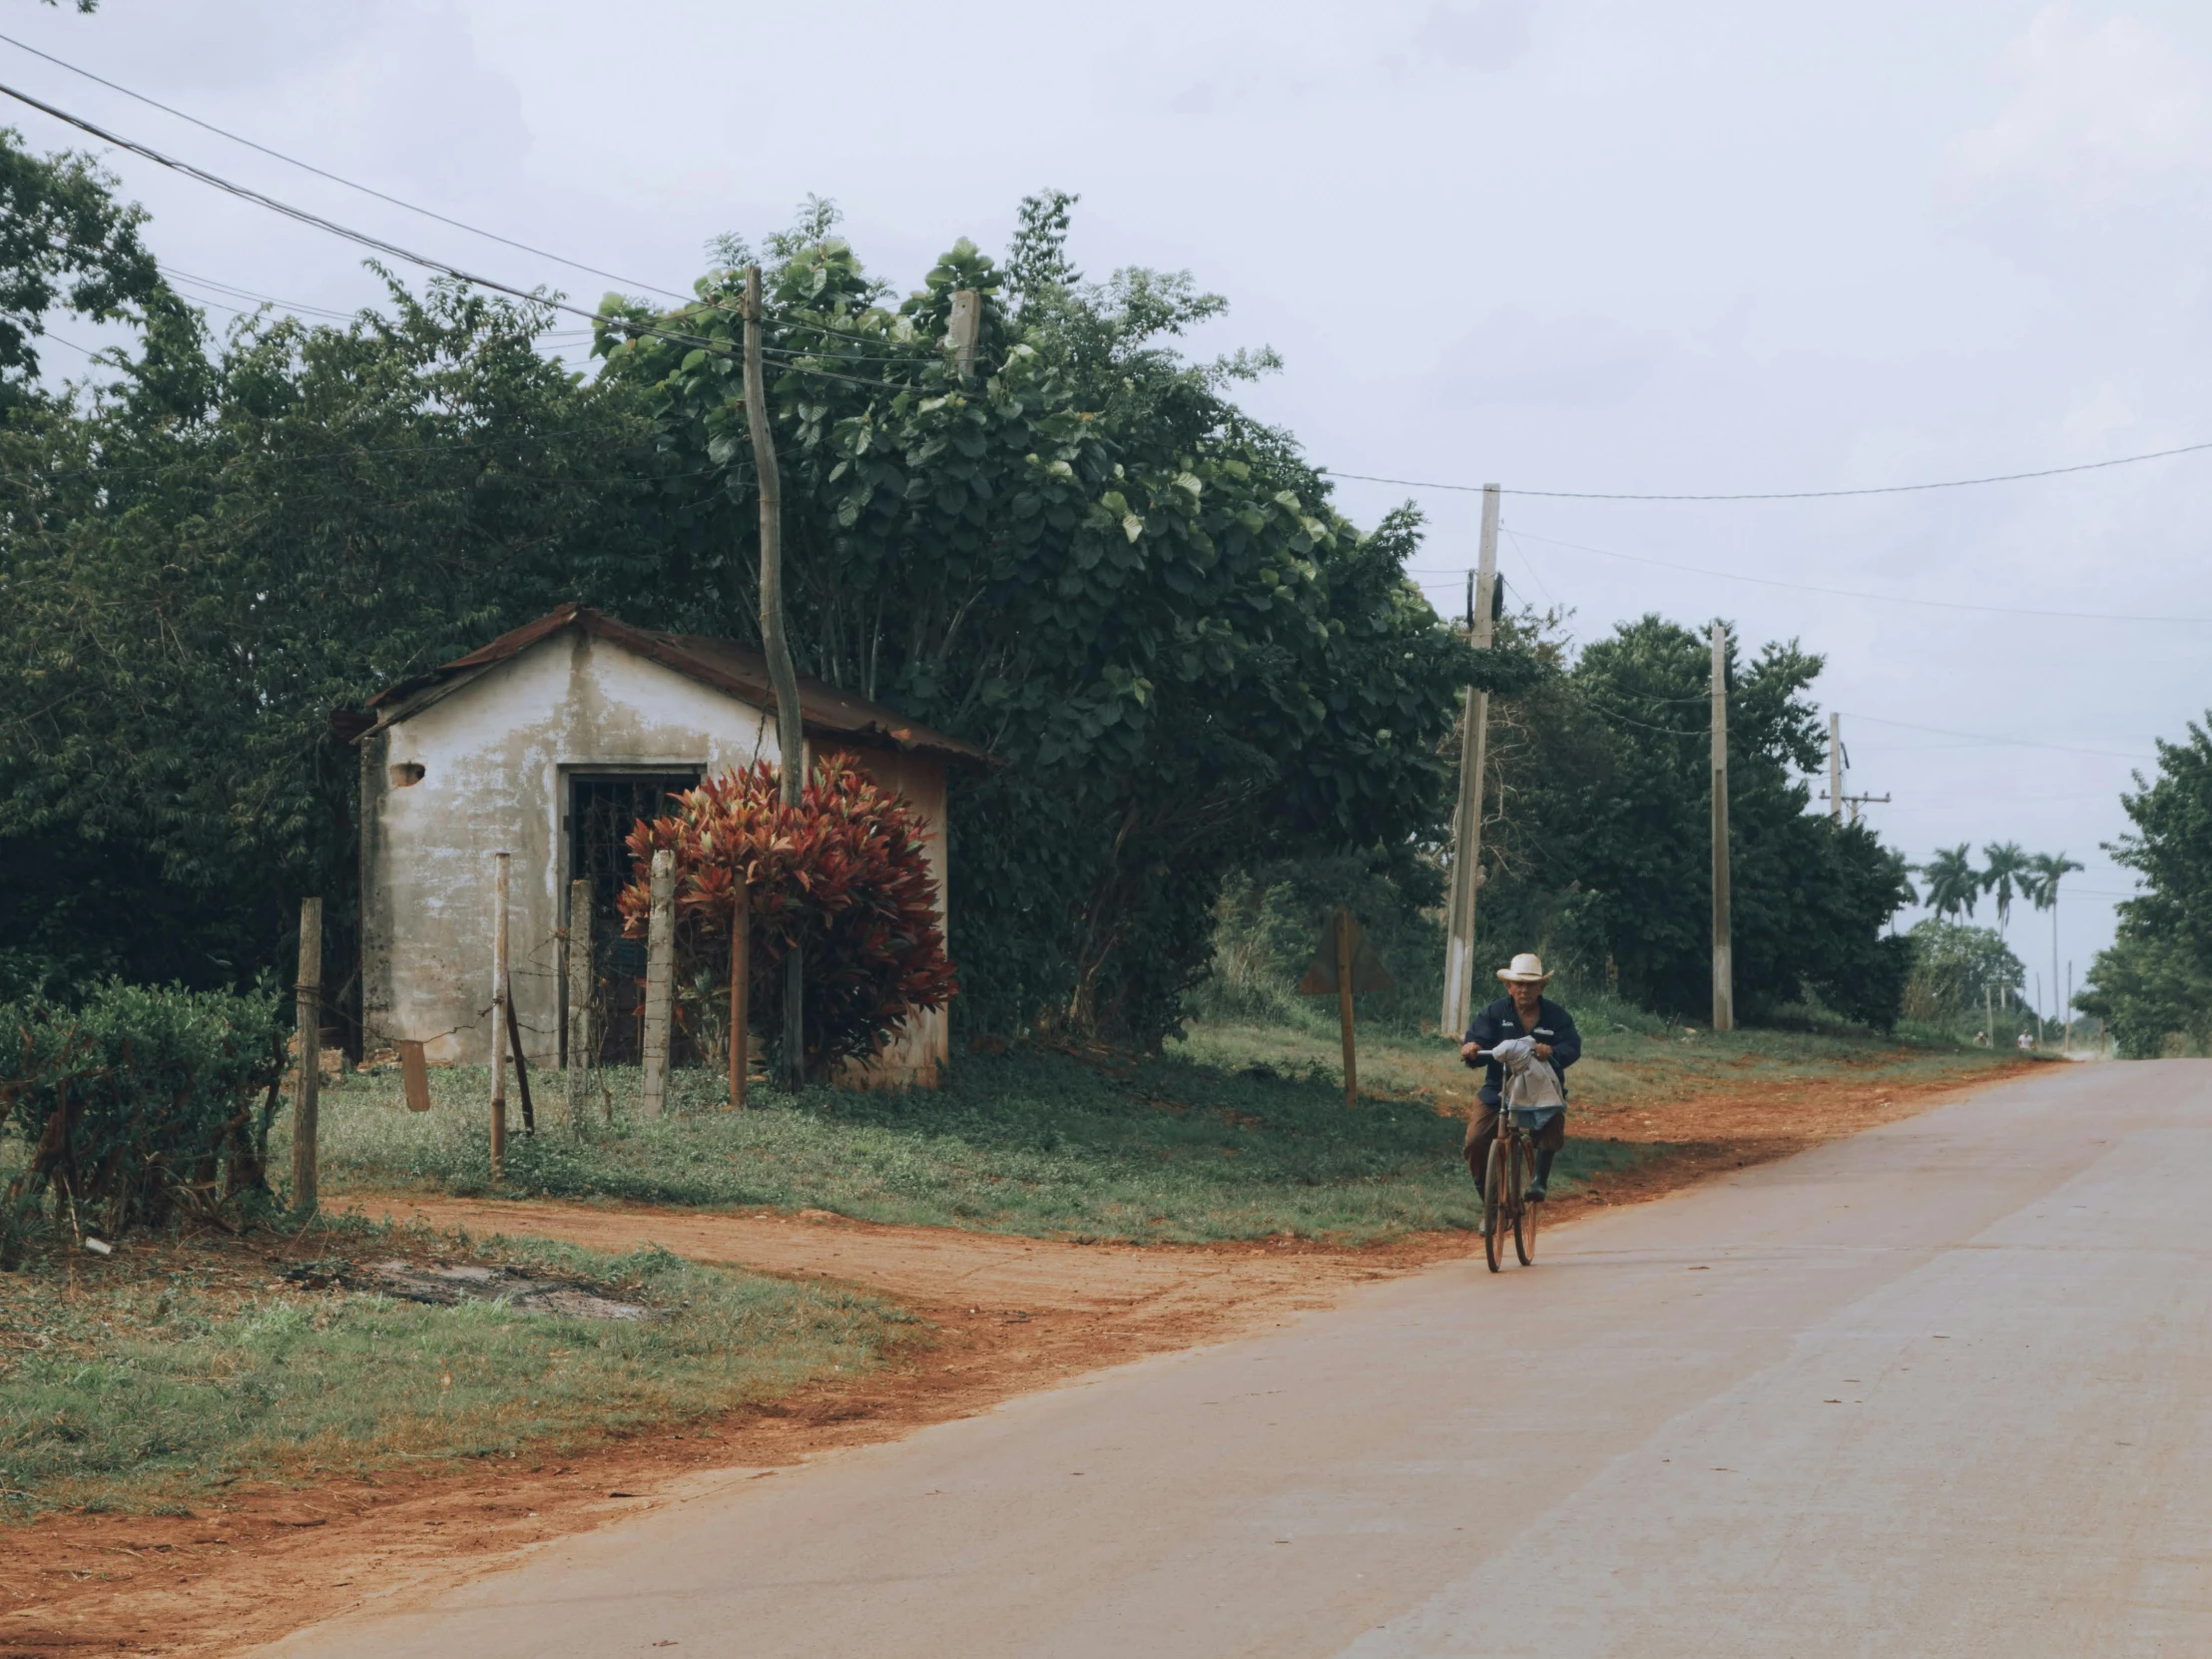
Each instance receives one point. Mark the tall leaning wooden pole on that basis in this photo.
(1466, 840)
(1724, 967)
(783, 676)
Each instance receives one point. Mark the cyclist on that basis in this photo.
(1524, 1011)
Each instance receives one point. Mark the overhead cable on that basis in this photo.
(336, 179)
(393, 249)
(411, 206)
(1788, 495)
(1983, 737)
(1877, 598)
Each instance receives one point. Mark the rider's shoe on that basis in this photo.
(1535, 1194)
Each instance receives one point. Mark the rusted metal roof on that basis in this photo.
(740, 670)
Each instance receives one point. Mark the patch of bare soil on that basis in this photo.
(1011, 1315)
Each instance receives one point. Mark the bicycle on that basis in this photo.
(1506, 1180)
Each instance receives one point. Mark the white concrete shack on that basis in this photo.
(548, 745)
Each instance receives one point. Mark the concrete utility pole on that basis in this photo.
(966, 329)
(1724, 967)
(1466, 840)
(307, 1100)
(783, 674)
(1835, 768)
(498, 1014)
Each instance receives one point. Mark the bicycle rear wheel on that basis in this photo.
(1496, 1205)
(1525, 1213)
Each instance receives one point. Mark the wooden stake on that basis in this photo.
(660, 976)
(740, 989)
(522, 1066)
(498, 1014)
(306, 1102)
(1343, 1003)
(579, 1001)
(1724, 965)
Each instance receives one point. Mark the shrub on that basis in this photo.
(842, 873)
(140, 1100)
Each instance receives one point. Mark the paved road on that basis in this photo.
(1944, 1388)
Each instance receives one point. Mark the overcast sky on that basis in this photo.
(1562, 244)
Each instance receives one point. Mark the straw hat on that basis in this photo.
(1528, 969)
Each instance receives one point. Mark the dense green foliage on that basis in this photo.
(2156, 982)
(138, 1102)
(1084, 557)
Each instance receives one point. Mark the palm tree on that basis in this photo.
(2044, 871)
(2004, 874)
(1952, 883)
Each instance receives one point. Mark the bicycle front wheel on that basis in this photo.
(1525, 1213)
(1496, 1205)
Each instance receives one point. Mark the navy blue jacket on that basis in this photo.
(1497, 1022)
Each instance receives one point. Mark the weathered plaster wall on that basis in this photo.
(495, 755)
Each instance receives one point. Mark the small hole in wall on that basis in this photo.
(407, 774)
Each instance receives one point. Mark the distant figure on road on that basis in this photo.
(1523, 1013)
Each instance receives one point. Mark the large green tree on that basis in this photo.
(2155, 981)
(201, 568)
(1085, 556)
(1082, 555)
(1603, 844)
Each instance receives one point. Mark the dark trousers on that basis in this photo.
(1483, 1130)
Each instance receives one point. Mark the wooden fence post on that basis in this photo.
(741, 990)
(579, 1001)
(1344, 1002)
(660, 976)
(498, 1014)
(306, 1102)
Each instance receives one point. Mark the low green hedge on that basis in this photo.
(138, 1101)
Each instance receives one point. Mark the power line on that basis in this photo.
(411, 206)
(1877, 598)
(336, 179)
(1983, 737)
(1789, 495)
(395, 251)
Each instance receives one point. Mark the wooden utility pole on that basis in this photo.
(1466, 839)
(307, 1100)
(660, 982)
(966, 329)
(740, 989)
(783, 674)
(578, 1002)
(498, 1014)
(1344, 942)
(1835, 768)
(1724, 967)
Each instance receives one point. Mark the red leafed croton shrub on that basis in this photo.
(842, 872)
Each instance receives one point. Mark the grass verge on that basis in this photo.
(152, 1378)
(1238, 1132)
